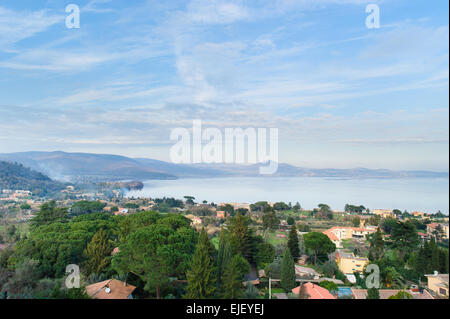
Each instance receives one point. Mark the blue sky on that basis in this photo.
(340, 94)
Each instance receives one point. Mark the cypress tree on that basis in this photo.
(201, 276)
(293, 243)
(232, 281)
(287, 271)
(98, 251)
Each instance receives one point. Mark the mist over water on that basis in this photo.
(411, 194)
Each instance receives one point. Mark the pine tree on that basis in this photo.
(232, 281)
(201, 276)
(287, 271)
(293, 243)
(98, 252)
(220, 254)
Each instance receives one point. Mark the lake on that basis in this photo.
(412, 194)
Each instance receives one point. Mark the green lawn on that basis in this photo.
(272, 238)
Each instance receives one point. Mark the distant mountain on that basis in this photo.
(66, 166)
(16, 176)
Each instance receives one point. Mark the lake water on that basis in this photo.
(414, 194)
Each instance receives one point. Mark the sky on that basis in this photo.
(341, 95)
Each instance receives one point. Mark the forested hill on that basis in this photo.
(17, 176)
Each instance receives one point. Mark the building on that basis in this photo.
(348, 263)
(221, 214)
(386, 293)
(420, 215)
(121, 211)
(313, 291)
(438, 284)
(435, 228)
(337, 234)
(194, 219)
(383, 213)
(110, 289)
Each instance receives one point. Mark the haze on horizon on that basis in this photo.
(341, 95)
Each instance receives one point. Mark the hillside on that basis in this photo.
(64, 166)
(16, 176)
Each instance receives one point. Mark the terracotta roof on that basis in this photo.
(330, 234)
(314, 291)
(118, 290)
(386, 293)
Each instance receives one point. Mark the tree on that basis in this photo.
(233, 276)
(270, 219)
(228, 209)
(404, 238)
(372, 293)
(297, 207)
(280, 206)
(86, 207)
(157, 252)
(98, 252)
(287, 271)
(201, 275)
(290, 220)
(356, 221)
(49, 213)
(189, 200)
(273, 269)
(401, 295)
(241, 237)
(319, 243)
(293, 243)
(329, 285)
(376, 249)
(251, 292)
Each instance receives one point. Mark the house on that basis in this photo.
(121, 211)
(420, 215)
(386, 293)
(383, 213)
(221, 214)
(438, 283)
(313, 291)
(422, 236)
(434, 228)
(194, 219)
(336, 234)
(348, 263)
(110, 289)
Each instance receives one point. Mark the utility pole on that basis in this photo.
(270, 288)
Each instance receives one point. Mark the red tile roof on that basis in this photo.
(117, 290)
(314, 291)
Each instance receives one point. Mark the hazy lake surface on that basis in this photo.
(421, 194)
